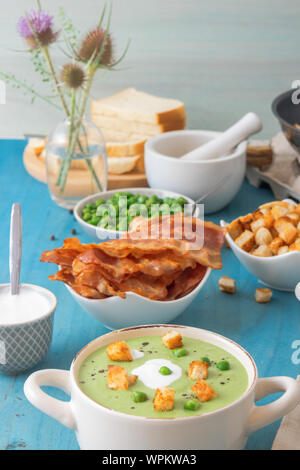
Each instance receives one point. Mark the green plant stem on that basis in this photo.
(24, 85)
(75, 134)
(67, 162)
(55, 79)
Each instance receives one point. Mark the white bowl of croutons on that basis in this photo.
(267, 243)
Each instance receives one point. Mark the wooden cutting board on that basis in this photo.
(37, 169)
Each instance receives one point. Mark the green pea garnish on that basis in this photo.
(191, 405)
(164, 370)
(180, 352)
(205, 359)
(223, 365)
(138, 397)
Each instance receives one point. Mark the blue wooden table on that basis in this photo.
(266, 331)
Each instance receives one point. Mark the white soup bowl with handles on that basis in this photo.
(98, 427)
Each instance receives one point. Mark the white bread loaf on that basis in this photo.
(133, 105)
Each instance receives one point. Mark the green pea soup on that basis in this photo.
(229, 384)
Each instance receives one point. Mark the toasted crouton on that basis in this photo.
(246, 240)
(164, 399)
(198, 370)
(289, 233)
(246, 219)
(280, 223)
(235, 228)
(295, 246)
(258, 223)
(283, 249)
(119, 351)
(275, 244)
(226, 284)
(269, 205)
(172, 340)
(263, 236)
(203, 391)
(279, 211)
(263, 295)
(295, 217)
(117, 378)
(264, 221)
(262, 251)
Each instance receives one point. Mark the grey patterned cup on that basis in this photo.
(23, 345)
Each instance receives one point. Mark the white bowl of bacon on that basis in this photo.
(141, 278)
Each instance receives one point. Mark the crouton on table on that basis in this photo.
(172, 340)
(198, 370)
(226, 284)
(263, 295)
(119, 351)
(164, 399)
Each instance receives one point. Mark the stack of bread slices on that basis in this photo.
(130, 117)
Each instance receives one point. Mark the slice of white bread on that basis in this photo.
(140, 128)
(121, 165)
(120, 144)
(133, 105)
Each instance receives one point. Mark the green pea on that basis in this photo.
(205, 359)
(87, 216)
(165, 370)
(181, 201)
(180, 352)
(99, 202)
(138, 397)
(191, 405)
(142, 199)
(223, 365)
(89, 206)
(94, 221)
(164, 209)
(168, 200)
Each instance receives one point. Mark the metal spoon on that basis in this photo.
(15, 248)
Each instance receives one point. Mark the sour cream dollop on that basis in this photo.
(149, 373)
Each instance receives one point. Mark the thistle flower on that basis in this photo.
(73, 75)
(37, 29)
(92, 44)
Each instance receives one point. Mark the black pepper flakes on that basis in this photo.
(74, 231)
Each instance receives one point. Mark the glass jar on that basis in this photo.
(76, 162)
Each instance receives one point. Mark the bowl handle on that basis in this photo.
(57, 409)
(261, 416)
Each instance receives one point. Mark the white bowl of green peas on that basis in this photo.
(107, 215)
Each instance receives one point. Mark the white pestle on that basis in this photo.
(241, 130)
(15, 248)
